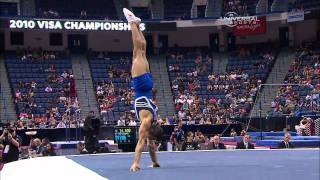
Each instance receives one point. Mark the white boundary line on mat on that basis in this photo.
(50, 168)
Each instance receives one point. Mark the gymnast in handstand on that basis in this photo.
(142, 84)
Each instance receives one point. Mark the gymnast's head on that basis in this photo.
(155, 132)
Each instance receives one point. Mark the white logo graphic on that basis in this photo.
(71, 25)
(232, 19)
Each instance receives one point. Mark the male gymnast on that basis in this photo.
(142, 84)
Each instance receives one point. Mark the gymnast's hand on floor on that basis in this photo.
(135, 167)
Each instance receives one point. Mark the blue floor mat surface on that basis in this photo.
(224, 165)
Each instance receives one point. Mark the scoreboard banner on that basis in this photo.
(82, 25)
(125, 135)
(250, 27)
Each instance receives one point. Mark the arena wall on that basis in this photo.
(184, 37)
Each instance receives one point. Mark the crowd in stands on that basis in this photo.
(59, 89)
(185, 85)
(48, 13)
(106, 96)
(8, 8)
(246, 70)
(295, 5)
(200, 96)
(238, 6)
(304, 97)
(37, 55)
(171, 11)
(127, 119)
(232, 83)
(205, 98)
(56, 15)
(191, 108)
(85, 9)
(113, 88)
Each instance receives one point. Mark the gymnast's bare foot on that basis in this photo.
(135, 167)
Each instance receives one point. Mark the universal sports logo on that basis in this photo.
(232, 19)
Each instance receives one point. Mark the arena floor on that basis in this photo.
(230, 164)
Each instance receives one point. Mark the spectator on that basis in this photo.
(208, 121)
(33, 84)
(177, 137)
(65, 74)
(190, 144)
(216, 143)
(88, 122)
(190, 121)
(301, 128)
(61, 124)
(121, 122)
(11, 143)
(132, 122)
(53, 14)
(48, 89)
(1, 163)
(286, 144)
(83, 14)
(245, 143)
(18, 96)
(37, 147)
(202, 121)
(45, 141)
(233, 133)
(199, 137)
(49, 151)
(92, 129)
(243, 133)
(81, 148)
